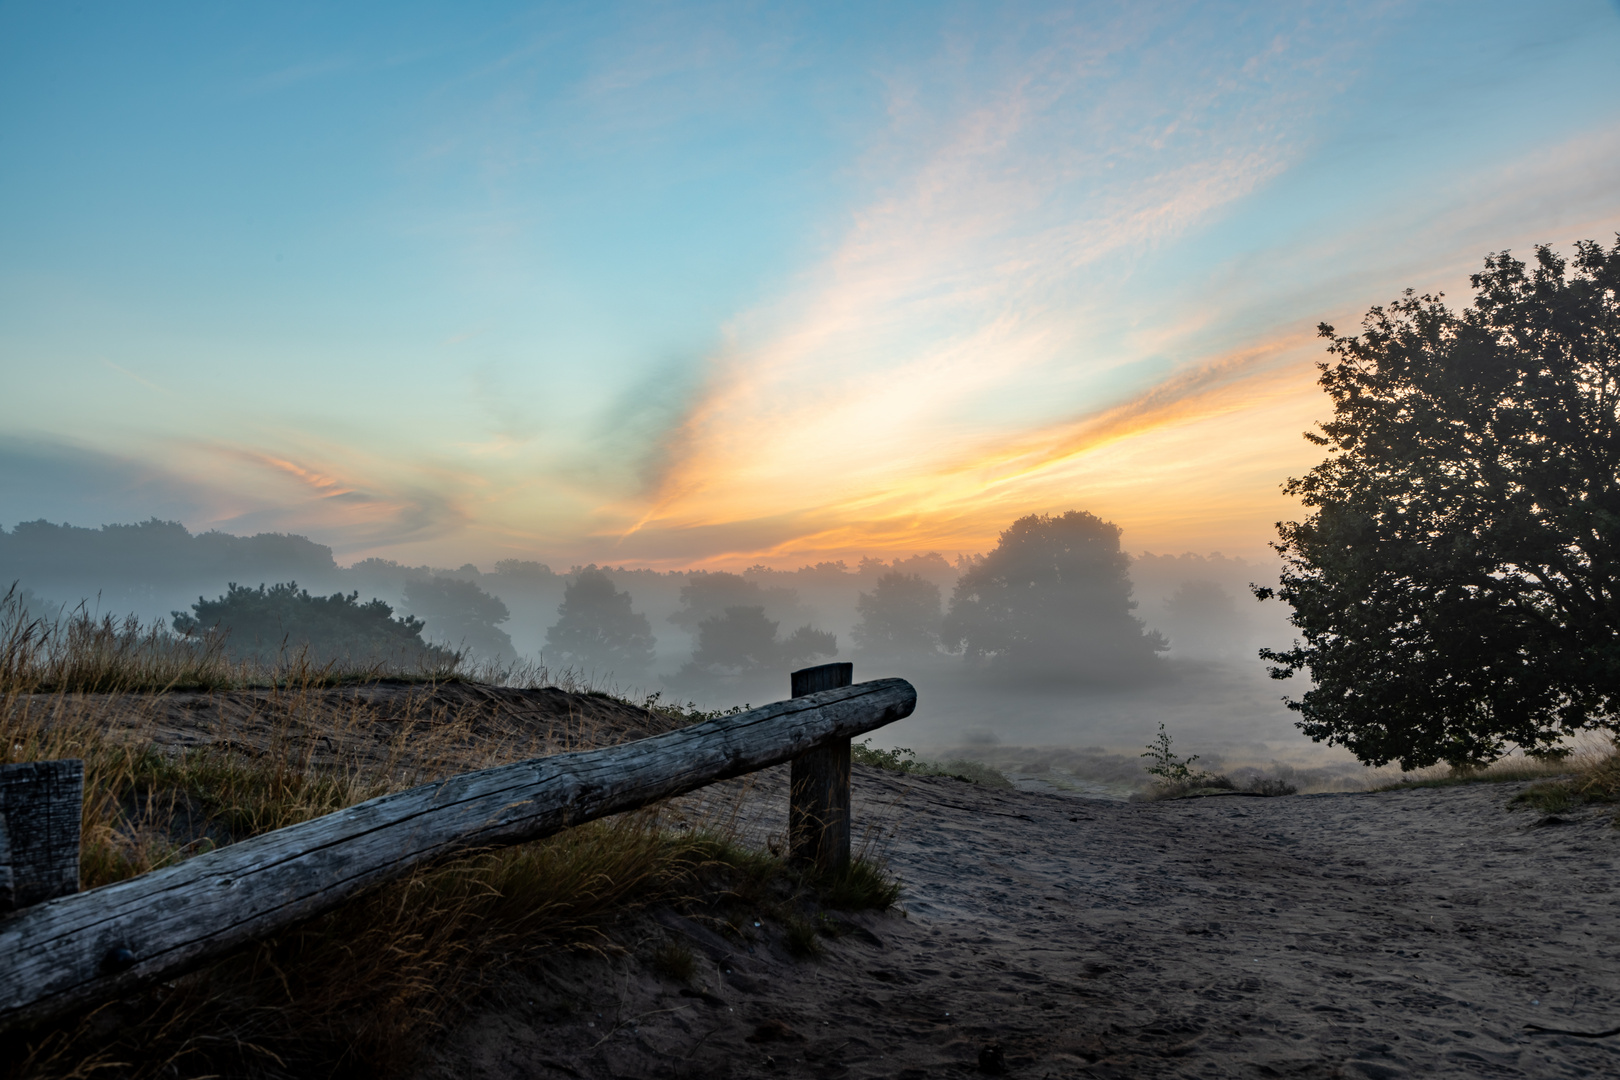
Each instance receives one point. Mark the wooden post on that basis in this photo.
(41, 807)
(818, 813)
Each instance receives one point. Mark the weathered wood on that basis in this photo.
(818, 807)
(98, 944)
(41, 811)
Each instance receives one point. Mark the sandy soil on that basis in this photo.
(1358, 935)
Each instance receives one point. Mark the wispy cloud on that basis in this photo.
(360, 507)
(124, 371)
(970, 305)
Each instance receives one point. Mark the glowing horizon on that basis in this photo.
(723, 286)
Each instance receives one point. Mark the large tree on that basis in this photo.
(1457, 585)
(1054, 598)
(597, 629)
(900, 617)
(462, 615)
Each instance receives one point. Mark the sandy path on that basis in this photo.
(1354, 935)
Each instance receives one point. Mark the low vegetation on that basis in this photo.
(1595, 779)
(903, 760)
(355, 992)
(1512, 770)
(1175, 778)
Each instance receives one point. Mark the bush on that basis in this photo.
(268, 625)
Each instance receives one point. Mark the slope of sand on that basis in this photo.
(1407, 933)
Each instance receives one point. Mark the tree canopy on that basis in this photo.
(742, 639)
(900, 617)
(1054, 597)
(597, 629)
(708, 594)
(1457, 585)
(461, 614)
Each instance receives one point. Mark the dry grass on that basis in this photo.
(1509, 770)
(1594, 777)
(355, 992)
(82, 652)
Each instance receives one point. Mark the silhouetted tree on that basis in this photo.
(740, 638)
(711, 593)
(743, 639)
(283, 621)
(901, 616)
(806, 644)
(597, 629)
(1054, 597)
(462, 615)
(1458, 581)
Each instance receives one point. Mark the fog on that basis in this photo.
(1208, 689)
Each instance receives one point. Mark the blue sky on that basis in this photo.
(682, 283)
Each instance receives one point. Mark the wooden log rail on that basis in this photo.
(69, 952)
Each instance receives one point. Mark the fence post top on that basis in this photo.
(822, 677)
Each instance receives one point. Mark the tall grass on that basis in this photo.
(1593, 776)
(357, 991)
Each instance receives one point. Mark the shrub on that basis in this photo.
(266, 625)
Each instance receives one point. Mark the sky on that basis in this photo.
(725, 284)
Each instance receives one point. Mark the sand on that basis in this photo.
(1404, 933)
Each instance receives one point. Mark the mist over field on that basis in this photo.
(1207, 688)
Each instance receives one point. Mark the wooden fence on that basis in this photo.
(77, 949)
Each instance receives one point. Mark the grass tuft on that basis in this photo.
(1596, 779)
(864, 884)
(674, 960)
(1507, 771)
(802, 937)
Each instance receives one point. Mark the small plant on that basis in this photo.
(688, 713)
(674, 960)
(1167, 768)
(900, 759)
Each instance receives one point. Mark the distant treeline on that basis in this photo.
(1056, 594)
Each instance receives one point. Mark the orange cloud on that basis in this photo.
(1215, 437)
(327, 486)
